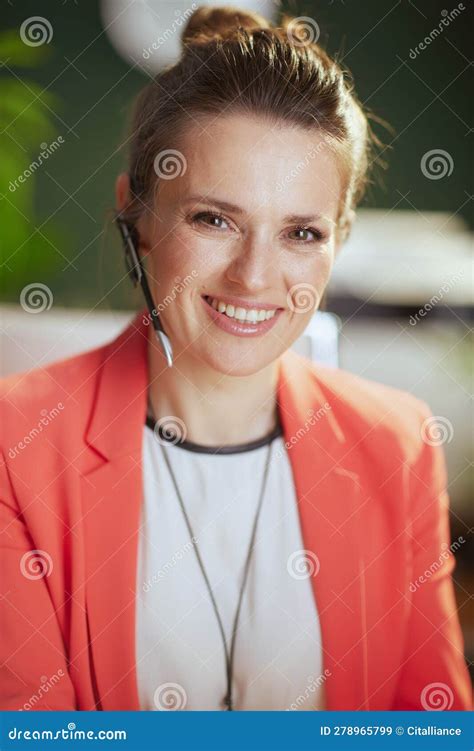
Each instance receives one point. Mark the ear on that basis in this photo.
(344, 230)
(122, 191)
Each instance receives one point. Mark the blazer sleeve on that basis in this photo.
(33, 664)
(434, 674)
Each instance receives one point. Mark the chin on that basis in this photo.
(237, 361)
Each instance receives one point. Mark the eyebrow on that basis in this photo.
(226, 206)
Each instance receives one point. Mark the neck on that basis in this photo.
(216, 409)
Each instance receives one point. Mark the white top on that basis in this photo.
(179, 649)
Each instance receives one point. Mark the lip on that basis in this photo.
(239, 302)
(232, 326)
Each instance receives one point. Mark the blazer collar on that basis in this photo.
(120, 405)
(328, 496)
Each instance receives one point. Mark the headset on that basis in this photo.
(137, 274)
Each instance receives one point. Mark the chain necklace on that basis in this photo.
(229, 657)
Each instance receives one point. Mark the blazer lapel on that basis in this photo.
(111, 497)
(329, 500)
(328, 495)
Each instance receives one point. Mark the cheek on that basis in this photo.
(323, 272)
(173, 260)
(313, 271)
(306, 285)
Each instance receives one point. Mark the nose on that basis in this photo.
(252, 266)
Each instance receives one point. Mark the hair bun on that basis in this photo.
(221, 22)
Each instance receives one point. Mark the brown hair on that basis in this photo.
(236, 61)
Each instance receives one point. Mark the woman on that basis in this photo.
(210, 521)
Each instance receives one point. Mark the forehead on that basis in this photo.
(250, 162)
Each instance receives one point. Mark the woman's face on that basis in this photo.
(249, 222)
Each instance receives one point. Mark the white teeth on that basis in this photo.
(241, 314)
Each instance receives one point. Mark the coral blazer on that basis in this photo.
(372, 504)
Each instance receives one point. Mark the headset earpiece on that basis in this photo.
(130, 244)
(137, 274)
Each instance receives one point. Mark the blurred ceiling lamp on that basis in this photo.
(147, 33)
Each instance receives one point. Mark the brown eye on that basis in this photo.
(303, 232)
(205, 215)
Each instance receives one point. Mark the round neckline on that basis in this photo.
(199, 448)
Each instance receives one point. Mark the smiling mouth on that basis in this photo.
(240, 314)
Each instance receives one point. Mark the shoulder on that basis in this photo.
(31, 400)
(28, 388)
(371, 399)
(369, 412)
(389, 437)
